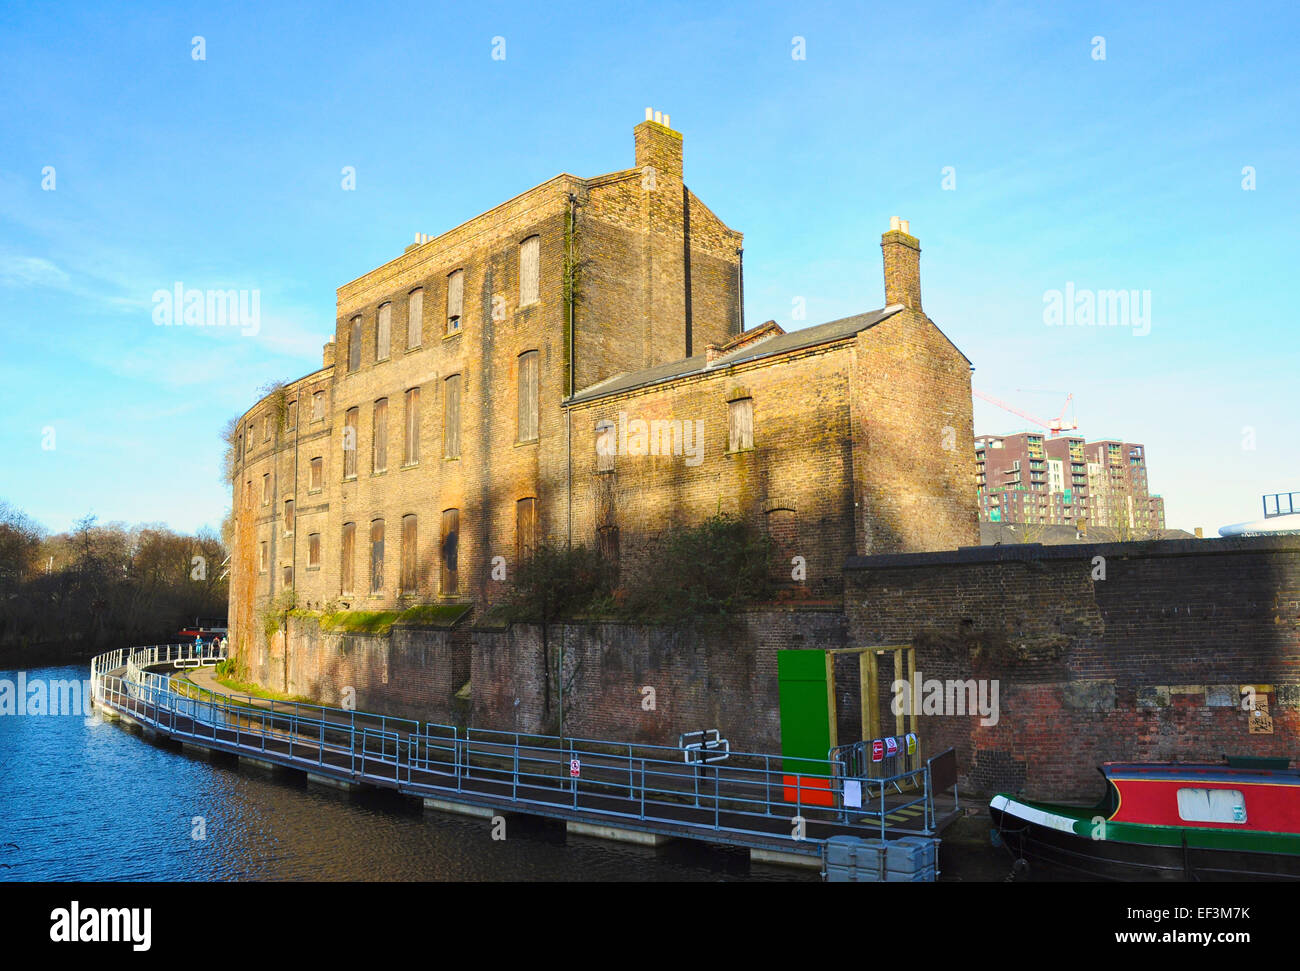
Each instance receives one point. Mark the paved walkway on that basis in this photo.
(485, 775)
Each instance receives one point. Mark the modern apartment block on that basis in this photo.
(1029, 479)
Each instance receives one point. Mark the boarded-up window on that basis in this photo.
(266, 428)
(529, 251)
(317, 477)
(348, 558)
(288, 516)
(384, 332)
(318, 406)
(377, 556)
(525, 529)
(783, 531)
(527, 396)
(354, 344)
(607, 541)
(239, 445)
(248, 494)
(261, 558)
(606, 445)
(409, 561)
(412, 447)
(450, 549)
(350, 442)
(455, 300)
(313, 550)
(451, 417)
(415, 319)
(291, 417)
(249, 438)
(379, 441)
(266, 489)
(740, 424)
(288, 575)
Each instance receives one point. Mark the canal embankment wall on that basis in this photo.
(1160, 651)
(1175, 650)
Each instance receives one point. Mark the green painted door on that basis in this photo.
(803, 678)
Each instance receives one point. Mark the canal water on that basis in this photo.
(85, 799)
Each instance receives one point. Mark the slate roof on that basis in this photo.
(767, 347)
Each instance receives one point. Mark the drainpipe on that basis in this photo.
(568, 414)
(293, 543)
(740, 286)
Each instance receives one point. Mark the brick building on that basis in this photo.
(572, 365)
(1065, 481)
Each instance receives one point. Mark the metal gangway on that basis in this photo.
(743, 800)
(886, 777)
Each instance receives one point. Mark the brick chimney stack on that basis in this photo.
(658, 146)
(902, 252)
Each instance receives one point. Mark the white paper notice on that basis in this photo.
(853, 793)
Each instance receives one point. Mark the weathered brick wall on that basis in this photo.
(1146, 664)
(914, 434)
(638, 255)
(799, 462)
(725, 680)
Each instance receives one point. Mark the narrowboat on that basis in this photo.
(1235, 820)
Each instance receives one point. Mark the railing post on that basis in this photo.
(767, 785)
(717, 803)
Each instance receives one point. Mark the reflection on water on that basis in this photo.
(90, 800)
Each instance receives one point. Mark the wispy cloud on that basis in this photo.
(31, 271)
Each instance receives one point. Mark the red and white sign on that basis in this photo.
(891, 746)
(575, 768)
(877, 750)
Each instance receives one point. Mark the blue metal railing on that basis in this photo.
(650, 785)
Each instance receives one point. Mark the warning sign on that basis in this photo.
(575, 768)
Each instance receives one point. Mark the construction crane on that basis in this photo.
(1054, 426)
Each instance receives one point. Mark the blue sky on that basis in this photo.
(1122, 173)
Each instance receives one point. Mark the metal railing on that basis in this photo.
(638, 784)
(1281, 504)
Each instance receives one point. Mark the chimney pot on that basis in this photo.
(666, 125)
(904, 225)
(895, 222)
(649, 114)
(659, 118)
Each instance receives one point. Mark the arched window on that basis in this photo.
(529, 269)
(347, 562)
(527, 396)
(451, 417)
(410, 575)
(525, 529)
(450, 550)
(379, 438)
(384, 332)
(350, 443)
(415, 319)
(377, 556)
(354, 344)
(455, 300)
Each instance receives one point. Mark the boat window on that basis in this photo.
(1211, 806)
